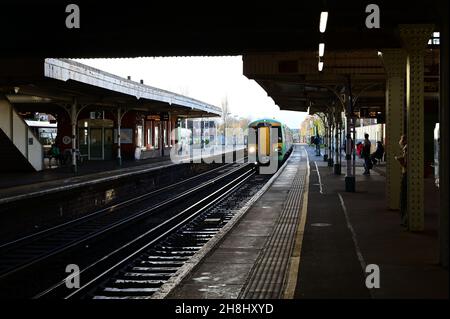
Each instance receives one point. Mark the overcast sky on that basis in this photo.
(208, 79)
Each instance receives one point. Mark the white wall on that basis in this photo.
(21, 135)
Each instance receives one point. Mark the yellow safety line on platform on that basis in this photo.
(289, 291)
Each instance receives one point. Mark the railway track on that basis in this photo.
(140, 274)
(141, 265)
(54, 246)
(28, 250)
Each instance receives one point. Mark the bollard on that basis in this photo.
(350, 184)
(337, 169)
(330, 162)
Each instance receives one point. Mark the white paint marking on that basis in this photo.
(355, 241)
(320, 180)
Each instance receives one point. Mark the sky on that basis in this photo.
(208, 79)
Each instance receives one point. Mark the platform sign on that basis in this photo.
(372, 113)
(126, 136)
(66, 140)
(164, 116)
(97, 115)
(153, 117)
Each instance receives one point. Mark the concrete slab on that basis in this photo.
(234, 255)
(250, 242)
(201, 291)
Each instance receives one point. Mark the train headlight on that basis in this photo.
(251, 149)
(277, 149)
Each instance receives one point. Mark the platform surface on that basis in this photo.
(343, 233)
(346, 231)
(238, 266)
(14, 186)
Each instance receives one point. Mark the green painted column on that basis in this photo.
(415, 38)
(394, 61)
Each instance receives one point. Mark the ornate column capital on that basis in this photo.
(415, 36)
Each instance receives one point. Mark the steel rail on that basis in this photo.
(113, 226)
(108, 209)
(234, 183)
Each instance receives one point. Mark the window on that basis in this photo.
(83, 136)
(140, 136)
(435, 39)
(165, 136)
(156, 136)
(149, 136)
(149, 127)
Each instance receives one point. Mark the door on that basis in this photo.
(108, 144)
(96, 143)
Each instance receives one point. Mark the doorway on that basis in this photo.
(96, 139)
(96, 143)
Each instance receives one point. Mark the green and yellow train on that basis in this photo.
(263, 145)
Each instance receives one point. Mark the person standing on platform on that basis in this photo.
(56, 154)
(366, 155)
(317, 142)
(403, 198)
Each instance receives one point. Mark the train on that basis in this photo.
(262, 145)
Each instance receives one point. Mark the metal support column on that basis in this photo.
(330, 138)
(202, 131)
(350, 182)
(325, 142)
(394, 62)
(337, 145)
(202, 141)
(73, 119)
(119, 121)
(415, 38)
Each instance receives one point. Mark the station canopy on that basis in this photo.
(52, 81)
(278, 40)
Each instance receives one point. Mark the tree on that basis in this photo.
(225, 116)
(225, 110)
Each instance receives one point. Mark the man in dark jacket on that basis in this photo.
(366, 154)
(378, 154)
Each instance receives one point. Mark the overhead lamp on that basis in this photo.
(380, 54)
(320, 66)
(323, 21)
(321, 49)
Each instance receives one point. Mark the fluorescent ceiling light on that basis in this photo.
(323, 21)
(321, 49)
(320, 66)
